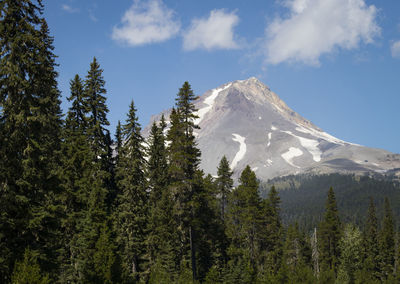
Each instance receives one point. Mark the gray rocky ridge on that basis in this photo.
(249, 124)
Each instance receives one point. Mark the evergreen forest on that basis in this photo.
(80, 206)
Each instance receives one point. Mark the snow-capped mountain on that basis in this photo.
(249, 124)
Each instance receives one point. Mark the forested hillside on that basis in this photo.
(303, 196)
(78, 206)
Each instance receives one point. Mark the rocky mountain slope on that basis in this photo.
(249, 124)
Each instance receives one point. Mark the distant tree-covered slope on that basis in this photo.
(303, 196)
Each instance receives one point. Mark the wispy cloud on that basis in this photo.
(69, 9)
(145, 23)
(214, 32)
(317, 27)
(395, 49)
(92, 16)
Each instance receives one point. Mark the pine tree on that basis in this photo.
(85, 184)
(162, 242)
(95, 103)
(118, 141)
(95, 214)
(244, 220)
(224, 184)
(271, 238)
(132, 209)
(387, 242)
(371, 244)
(350, 261)
(159, 199)
(76, 117)
(30, 124)
(28, 271)
(183, 156)
(329, 234)
(157, 163)
(104, 258)
(78, 177)
(296, 258)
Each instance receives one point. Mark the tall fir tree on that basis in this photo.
(220, 190)
(350, 261)
(81, 183)
(387, 242)
(131, 215)
(297, 257)
(184, 158)
(157, 164)
(329, 234)
(224, 184)
(271, 240)
(159, 226)
(30, 127)
(244, 223)
(95, 103)
(118, 141)
(28, 270)
(76, 116)
(371, 244)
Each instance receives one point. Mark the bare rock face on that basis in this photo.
(249, 124)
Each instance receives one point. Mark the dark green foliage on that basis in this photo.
(350, 261)
(87, 182)
(296, 253)
(157, 163)
(30, 126)
(387, 242)
(131, 214)
(371, 244)
(244, 221)
(79, 177)
(224, 184)
(184, 158)
(103, 258)
(95, 104)
(303, 197)
(28, 271)
(329, 234)
(76, 118)
(271, 237)
(160, 240)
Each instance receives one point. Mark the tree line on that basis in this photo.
(302, 196)
(80, 207)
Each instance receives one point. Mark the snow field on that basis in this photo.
(242, 149)
(291, 154)
(209, 101)
(310, 145)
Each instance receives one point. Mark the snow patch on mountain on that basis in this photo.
(291, 154)
(322, 135)
(209, 101)
(310, 145)
(269, 139)
(242, 149)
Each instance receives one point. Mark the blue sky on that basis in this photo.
(335, 62)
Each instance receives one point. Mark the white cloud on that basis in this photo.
(395, 48)
(69, 9)
(317, 27)
(145, 23)
(214, 32)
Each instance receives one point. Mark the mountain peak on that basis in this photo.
(249, 124)
(252, 81)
